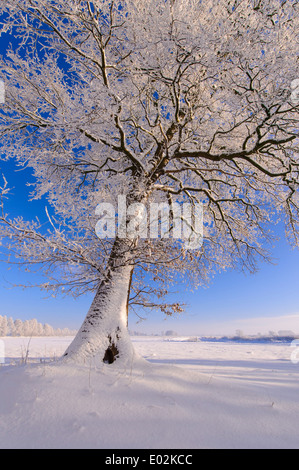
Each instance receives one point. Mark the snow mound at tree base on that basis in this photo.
(147, 405)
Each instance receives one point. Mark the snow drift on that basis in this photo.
(174, 395)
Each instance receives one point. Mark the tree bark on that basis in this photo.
(104, 332)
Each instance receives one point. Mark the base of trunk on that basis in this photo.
(104, 333)
(105, 348)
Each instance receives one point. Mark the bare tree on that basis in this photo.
(162, 101)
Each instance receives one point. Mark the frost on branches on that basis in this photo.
(161, 101)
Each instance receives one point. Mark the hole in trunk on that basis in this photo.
(111, 353)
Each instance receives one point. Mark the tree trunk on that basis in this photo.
(104, 332)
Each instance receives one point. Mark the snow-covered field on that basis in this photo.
(176, 395)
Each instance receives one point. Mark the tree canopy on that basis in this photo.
(165, 101)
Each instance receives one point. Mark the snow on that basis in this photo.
(176, 394)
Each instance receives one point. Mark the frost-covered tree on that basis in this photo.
(26, 328)
(3, 326)
(48, 330)
(33, 327)
(11, 327)
(18, 327)
(164, 101)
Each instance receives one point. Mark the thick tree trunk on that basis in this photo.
(104, 332)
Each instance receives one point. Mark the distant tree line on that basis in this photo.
(10, 327)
